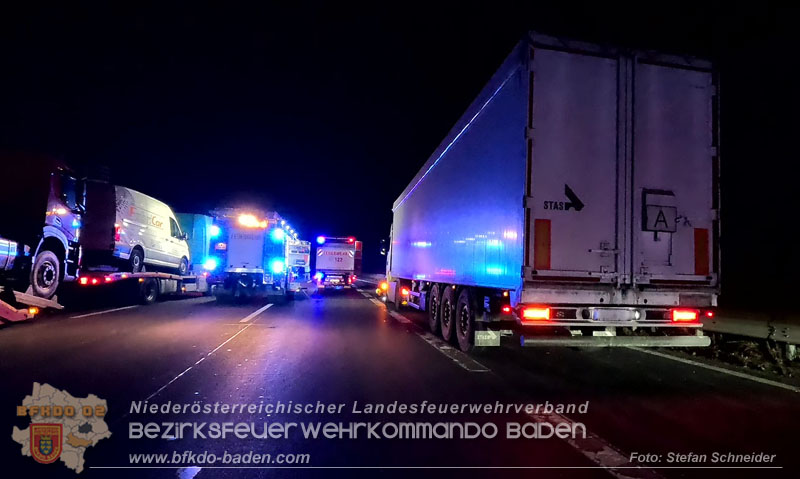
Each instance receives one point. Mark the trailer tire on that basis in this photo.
(136, 261)
(434, 316)
(447, 313)
(465, 321)
(148, 291)
(46, 274)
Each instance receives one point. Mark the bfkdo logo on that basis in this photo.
(46, 442)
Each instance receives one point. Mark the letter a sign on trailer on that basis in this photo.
(661, 218)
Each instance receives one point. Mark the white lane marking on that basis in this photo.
(251, 315)
(737, 374)
(255, 313)
(598, 450)
(399, 317)
(455, 355)
(103, 312)
(367, 281)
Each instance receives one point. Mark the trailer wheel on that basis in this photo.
(183, 268)
(465, 321)
(148, 293)
(136, 261)
(434, 313)
(45, 274)
(447, 313)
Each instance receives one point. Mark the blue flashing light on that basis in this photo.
(320, 240)
(278, 235)
(494, 270)
(210, 264)
(319, 275)
(213, 231)
(276, 266)
(76, 223)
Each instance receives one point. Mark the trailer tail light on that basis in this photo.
(117, 232)
(84, 281)
(94, 280)
(536, 313)
(506, 309)
(684, 315)
(124, 276)
(709, 314)
(351, 240)
(108, 279)
(404, 291)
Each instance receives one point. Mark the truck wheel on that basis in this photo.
(447, 313)
(45, 274)
(433, 310)
(465, 321)
(136, 261)
(149, 291)
(183, 268)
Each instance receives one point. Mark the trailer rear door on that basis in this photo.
(573, 175)
(622, 178)
(673, 185)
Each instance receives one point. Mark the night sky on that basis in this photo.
(325, 112)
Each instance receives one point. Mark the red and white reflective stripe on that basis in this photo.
(541, 244)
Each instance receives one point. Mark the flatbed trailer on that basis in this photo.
(148, 286)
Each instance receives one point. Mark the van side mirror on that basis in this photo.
(184, 236)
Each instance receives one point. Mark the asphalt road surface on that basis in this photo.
(346, 348)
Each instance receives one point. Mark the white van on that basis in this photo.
(147, 233)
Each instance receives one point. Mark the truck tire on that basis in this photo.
(45, 274)
(447, 313)
(136, 261)
(434, 301)
(465, 321)
(183, 267)
(148, 292)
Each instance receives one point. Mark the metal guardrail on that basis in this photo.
(760, 327)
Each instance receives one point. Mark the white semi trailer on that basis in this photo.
(578, 196)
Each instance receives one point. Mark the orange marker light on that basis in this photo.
(33, 310)
(384, 286)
